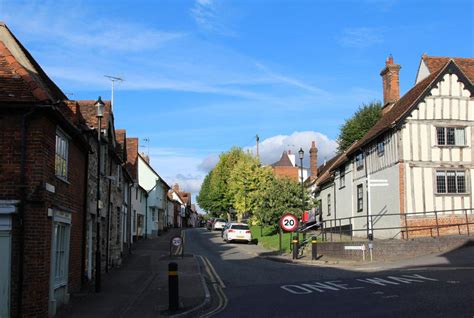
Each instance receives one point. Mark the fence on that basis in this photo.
(412, 224)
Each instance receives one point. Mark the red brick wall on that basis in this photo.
(290, 172)
(457, 222)
(37, 225)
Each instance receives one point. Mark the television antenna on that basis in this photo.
(113, 79)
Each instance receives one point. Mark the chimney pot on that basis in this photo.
(391, 83)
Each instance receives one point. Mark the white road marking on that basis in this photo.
(337, 285)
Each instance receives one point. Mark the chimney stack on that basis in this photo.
(313, 159)
(391, 84)
(176, 187)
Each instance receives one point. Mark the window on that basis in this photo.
(451, 136)
(360, 198)
(450, 181)
(61, 245)
(360, 161)
(381, 148)
(61, 158)
(329, 203)
(342, 177)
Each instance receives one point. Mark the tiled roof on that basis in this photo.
(398, 110)
(435, 63)
(89, 112)
(21, 77)
(284, 161)
(324, 171)
(132, 157)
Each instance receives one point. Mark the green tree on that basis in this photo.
(359, 124)
(282, 195)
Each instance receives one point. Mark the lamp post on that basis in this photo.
(301, 155)
(98, 263)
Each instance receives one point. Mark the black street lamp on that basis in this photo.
(301, 155)
(98, 263)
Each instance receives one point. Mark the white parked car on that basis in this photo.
(219, 224)
(237, 232)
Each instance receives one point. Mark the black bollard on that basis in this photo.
(295, 247)
(173, 288)
(314, 248)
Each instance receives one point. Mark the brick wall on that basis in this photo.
(37, 225)
(452, 224)
(291, 172)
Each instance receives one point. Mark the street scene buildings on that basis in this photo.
(75, 193)
(208, 220)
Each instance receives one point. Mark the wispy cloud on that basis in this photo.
(208, 17)
(360, 37)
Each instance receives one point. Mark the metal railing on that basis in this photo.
(344, 227)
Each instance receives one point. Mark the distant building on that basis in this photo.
(287, 167)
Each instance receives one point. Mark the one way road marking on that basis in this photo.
(337, 285)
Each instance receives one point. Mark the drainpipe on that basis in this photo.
(108, 220)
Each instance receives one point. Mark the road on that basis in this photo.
(244, 285)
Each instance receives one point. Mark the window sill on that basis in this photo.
(342, 187)
(63, 179)
(452, 194)
(450, 146)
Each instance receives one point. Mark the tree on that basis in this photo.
(359, 124)
(281, 196)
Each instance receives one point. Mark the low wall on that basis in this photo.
(393, 249)
(451, 224)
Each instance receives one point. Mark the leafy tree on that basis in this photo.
(359, 124)
(281, 196)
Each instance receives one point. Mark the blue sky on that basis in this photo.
(204, 75)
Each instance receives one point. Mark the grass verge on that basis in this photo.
(269, 238)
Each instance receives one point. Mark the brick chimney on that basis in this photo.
(391, 84)
(176, 187)
(313, 159)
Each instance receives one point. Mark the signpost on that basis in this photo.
(176, 242)
(288, 223)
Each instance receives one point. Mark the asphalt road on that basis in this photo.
(244, 285)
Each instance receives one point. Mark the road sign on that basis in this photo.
(177, 241)
(288, 222)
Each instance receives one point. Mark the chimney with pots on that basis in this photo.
(313, 159)
(391, 84)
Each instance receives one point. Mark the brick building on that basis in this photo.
(43, 164)
(287, 167)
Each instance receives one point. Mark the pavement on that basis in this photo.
(139, 288)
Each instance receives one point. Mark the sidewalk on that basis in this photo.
(139, 288)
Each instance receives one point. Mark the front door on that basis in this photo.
(5, 254)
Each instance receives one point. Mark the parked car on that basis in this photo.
(210, 223)
(226, 226)
(219, 224)
(237, 232)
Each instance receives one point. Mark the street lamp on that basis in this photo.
(301, 155)
(100, 106)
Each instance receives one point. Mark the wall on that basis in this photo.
(448, 104)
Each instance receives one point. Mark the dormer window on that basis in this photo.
(451, 136)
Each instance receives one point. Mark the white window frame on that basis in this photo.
(380, 148)
(458, 140)
(342, 177)
(61, 157)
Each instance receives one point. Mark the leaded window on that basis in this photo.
(450, 181)
(451, 136)
(360, 161)
(380, 148)
(329, 204)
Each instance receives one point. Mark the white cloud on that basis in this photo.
(272, 147)
(361, 37)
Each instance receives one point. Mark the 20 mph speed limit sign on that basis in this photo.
(288, 222)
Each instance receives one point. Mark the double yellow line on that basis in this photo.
(217, 284)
